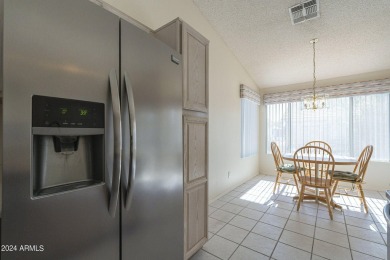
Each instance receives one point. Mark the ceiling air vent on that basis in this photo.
(304, 11)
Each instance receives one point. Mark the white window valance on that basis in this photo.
(248, 93)
(334, 91)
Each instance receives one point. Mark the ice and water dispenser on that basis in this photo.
(68, 144)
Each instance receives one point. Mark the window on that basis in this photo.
(371, 124)
(348, 125)
(249, 128)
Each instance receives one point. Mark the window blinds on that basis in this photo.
(250, 101)
(335, 91)
(249, 128)
(348, 125)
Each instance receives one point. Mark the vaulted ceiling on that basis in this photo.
(354, 38)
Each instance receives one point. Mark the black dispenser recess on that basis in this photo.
(68, 144)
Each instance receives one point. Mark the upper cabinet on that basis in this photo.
(194, 49)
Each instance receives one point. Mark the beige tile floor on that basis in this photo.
(250, 222)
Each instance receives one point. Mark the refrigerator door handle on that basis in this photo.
(116, 172)
(133, 141)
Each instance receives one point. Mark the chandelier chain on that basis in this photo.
(314, 68)
(314, 101)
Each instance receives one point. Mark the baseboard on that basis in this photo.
(232, 188)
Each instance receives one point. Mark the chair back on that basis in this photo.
(277, 155)
(362, 163)
(314, 166)
(321, 144)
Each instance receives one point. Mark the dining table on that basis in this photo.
(338, 160)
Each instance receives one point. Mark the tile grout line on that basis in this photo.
(211, 254)
(277, 242)
(236, 214)
(244, 237)
(376, 225)
(314, 235)
(349, 242)
(250, 231)
(215, 234)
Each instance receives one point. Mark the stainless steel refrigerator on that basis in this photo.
(91, 143)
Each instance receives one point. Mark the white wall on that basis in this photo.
(378, 173)
(225, 76)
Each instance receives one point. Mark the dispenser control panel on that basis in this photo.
(61, 112)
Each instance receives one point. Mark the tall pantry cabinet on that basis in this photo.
(194, 49)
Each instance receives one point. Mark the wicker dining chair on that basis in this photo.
(356, 177)
(321, 144)
(281, 168)
(315, 166)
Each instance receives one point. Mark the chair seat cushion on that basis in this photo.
(287, 168)
(341, 175)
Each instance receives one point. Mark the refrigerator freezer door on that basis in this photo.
(152, 227)
(62, 49)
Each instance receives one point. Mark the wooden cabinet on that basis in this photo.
(195, 131)
(194, 49)
(195, 76)
(195, 218)
(195, 149)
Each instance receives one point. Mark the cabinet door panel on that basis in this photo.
(195, 58)
(195, 148)
(196, 217)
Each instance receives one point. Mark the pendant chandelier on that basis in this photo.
(314, 101)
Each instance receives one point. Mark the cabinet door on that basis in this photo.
(195, 70)
(195, 149)
(195, 218)
(195, 183)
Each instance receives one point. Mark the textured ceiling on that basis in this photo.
(354, 38)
